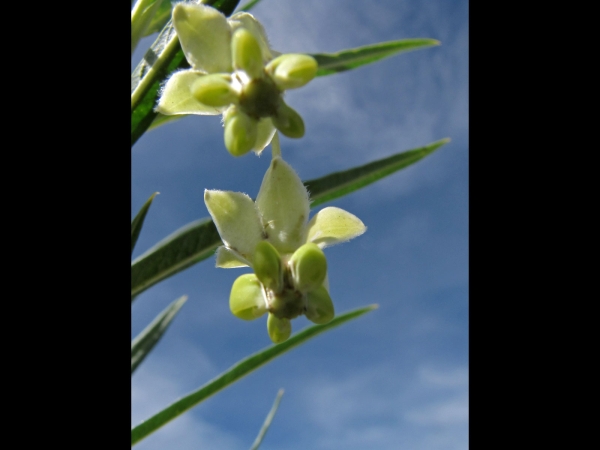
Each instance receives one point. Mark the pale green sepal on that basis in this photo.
(246, 300)
(283, 204)
(333, 225)
(319, 307)
(289, 122)
(240, 132)
(309, 267)
(177, 98)
(246, 53)
(264, 135)
(228, 259)
(292, 70)
(247, 21)
(236, 219)
(267, 266)
(214, 90)
(205, 37)
(279, 329)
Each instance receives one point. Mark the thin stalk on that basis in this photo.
(268, 420)
(150, 77)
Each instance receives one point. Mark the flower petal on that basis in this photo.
(284, 207)
(247, 20)
(229, 259)
(237, 220)
(177, 98)
(333, 225)
(205, 37)
(266, 131)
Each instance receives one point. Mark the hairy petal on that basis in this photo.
(236, 219)
(177, 98)
(333, 225)
(205, 37)
(284, 207)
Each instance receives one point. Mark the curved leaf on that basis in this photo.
(188, 245)
(242, 368)
(248, 6)
(351, 59)
(149, 337)
(198, 240)
(268, 420)
(342, 183)
(138, 221)
(142, 15)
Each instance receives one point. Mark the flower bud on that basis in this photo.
(240, 133)
(319, 307)
(246, 299)
(292, 71)
(279, 329)
(267, 266)
(309, 267)
(246, 51)
(288, 122)
(214, 90)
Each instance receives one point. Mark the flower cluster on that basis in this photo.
(234, 72)
(274, 237)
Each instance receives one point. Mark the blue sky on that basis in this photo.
(396, 378)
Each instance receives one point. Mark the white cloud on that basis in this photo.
(382, 407)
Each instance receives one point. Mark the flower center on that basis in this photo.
(260, 98)
(287, 304)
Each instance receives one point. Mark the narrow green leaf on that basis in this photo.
(141, 16)
(342, 183)
(162, 58)
(248, 6)
(161, 17)
(149, 337)
(138, 221)
(187, 246)
(198, 240)
(242, 368)
(350, 59)
(268, 420)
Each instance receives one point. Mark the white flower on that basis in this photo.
(275, 238)
(235, 73)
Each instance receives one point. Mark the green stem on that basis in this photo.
(150, 77)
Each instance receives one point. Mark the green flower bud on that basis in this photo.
(319, 307)
(279, 329)
(214, 90)
(246, 300)
(288, 122)
(309, 267)
(292, 71)
(247, 55)
(240, 133)
(267, 266)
